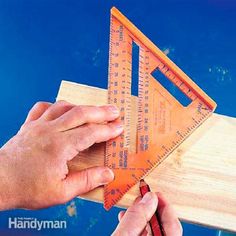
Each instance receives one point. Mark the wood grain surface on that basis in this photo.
(198, 178)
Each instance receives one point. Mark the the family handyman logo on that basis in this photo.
(34, 223)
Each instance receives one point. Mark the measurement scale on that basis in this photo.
(163, 122)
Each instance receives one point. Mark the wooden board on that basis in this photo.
(198, 178)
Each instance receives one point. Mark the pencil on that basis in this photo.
(155, 222)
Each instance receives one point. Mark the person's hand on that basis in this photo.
(33, 164)
(134, 221)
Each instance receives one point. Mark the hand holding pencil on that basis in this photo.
(135, 221)
(155, 221)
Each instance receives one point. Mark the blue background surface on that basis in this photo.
(43, 42)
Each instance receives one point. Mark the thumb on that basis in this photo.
(137, 216)
(83, 181)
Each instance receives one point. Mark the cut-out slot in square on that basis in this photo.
(171, 88)
(135, 69)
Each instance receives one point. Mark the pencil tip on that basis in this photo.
(142, 182)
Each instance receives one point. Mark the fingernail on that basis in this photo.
(114, 109)
(119, 128)
(107, 176)
(148, 197)
(150, 201)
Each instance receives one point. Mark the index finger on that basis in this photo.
(81, 115)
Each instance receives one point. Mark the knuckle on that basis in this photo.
(79, 143)
(91, 132)
(61, 102)
(63, 122)
(37, 130)
(91, 129)
(80, 111)
(85, 138)
(85, 113)
(39, 104)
